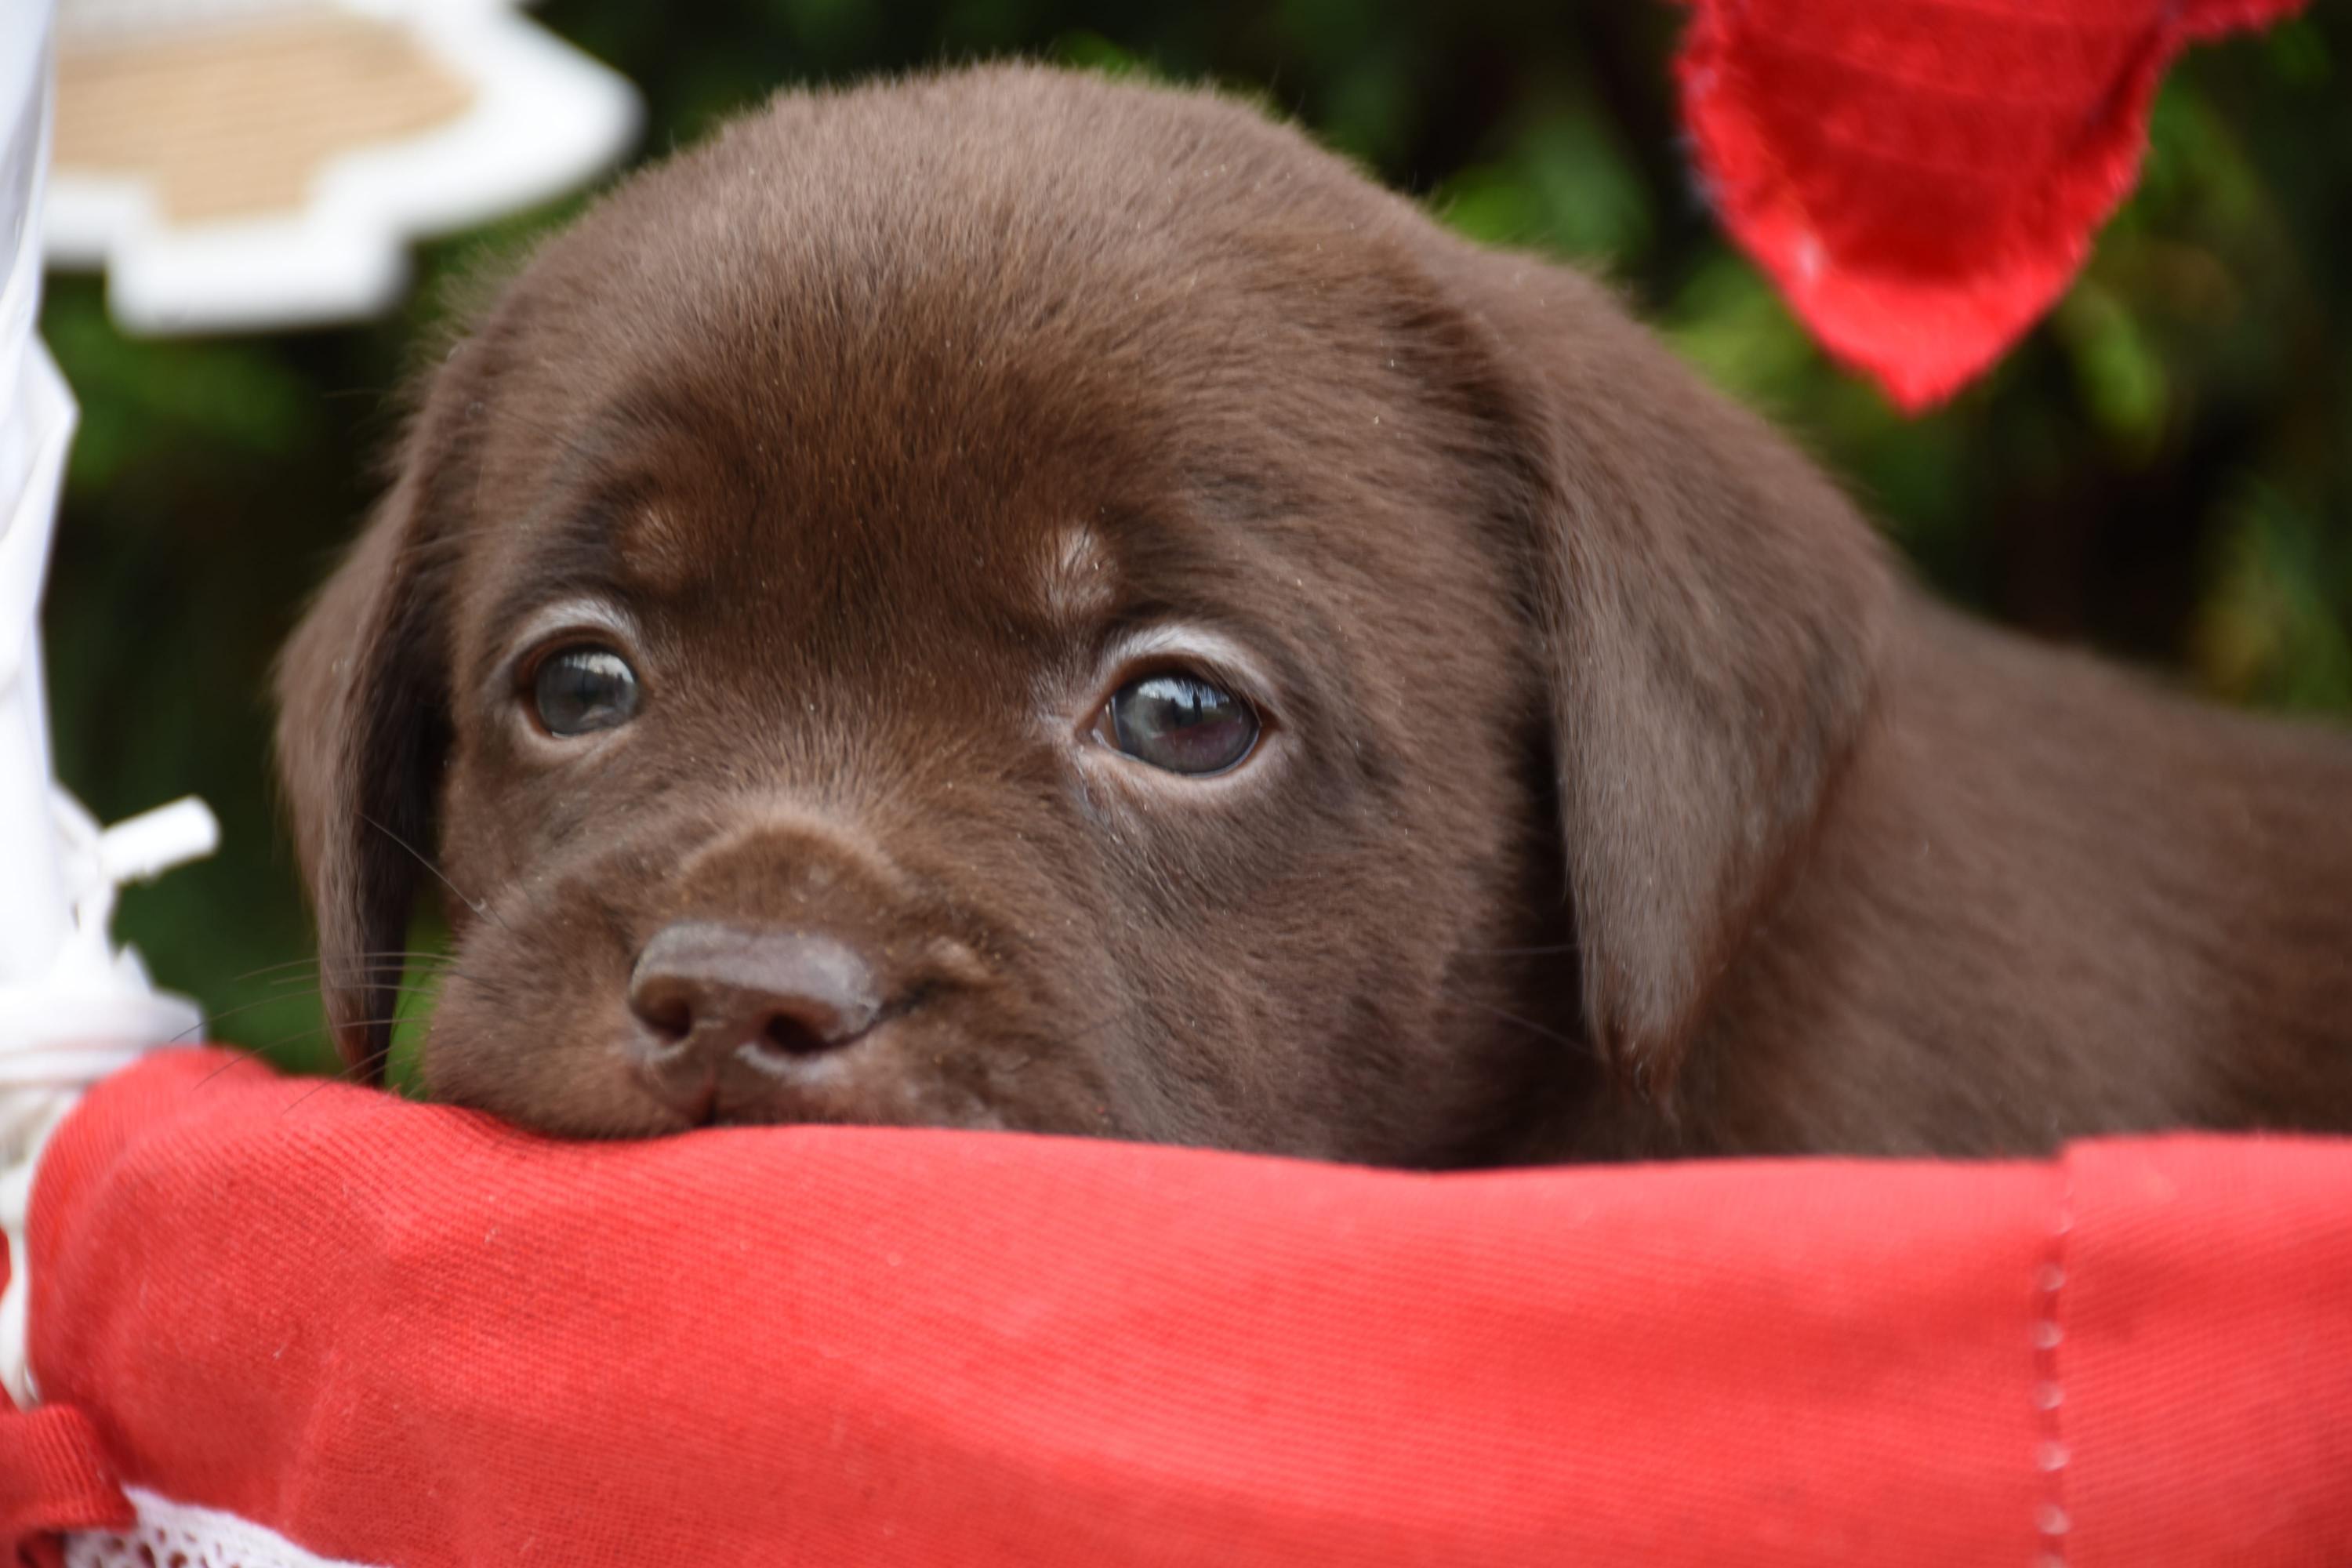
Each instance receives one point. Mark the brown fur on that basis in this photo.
(1620, 796)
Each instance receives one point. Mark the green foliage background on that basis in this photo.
(2164, 470)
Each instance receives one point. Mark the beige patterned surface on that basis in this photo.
(233, 121)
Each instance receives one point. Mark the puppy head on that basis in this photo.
(1013, 601)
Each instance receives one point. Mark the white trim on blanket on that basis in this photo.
(183, 1533)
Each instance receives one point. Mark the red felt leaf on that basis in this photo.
(1922, 178)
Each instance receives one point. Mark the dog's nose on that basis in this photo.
(708, 991)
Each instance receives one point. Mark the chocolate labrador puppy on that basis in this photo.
(1008, 600)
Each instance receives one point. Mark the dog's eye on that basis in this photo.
(1182, 723)
(581, 689)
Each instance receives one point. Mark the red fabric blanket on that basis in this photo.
(404, 1335)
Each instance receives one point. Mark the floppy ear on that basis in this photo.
(1707, 609)
(363, 727)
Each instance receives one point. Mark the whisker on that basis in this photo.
(325, 1080)
(387, 952)
(354, 977)
(427, 965)
(204, 1026)
(239, 1055)
(322, 1029)
(479, 905)
(1546, 1031)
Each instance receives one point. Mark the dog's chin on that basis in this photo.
(840, 1088)
(611, 1089)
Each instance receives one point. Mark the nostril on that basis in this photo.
(671, 1017)
(796, 1037)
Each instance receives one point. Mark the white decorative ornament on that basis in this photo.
(250, 164)
(72, 1007)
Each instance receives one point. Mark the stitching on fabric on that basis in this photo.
(2051, 1519)
(171, 1535)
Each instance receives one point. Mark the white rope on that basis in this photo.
(92, 1014)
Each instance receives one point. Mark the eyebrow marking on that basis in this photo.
(1080, 579)
(656, 548)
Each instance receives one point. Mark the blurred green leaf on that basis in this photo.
(1562, 184)
(2122, 381)
(1730, 325)
(237, 401)
(1090, 50)
(2299, 53)
(2273, 628)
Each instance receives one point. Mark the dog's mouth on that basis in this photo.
(893, 1072)
(783, 1073)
